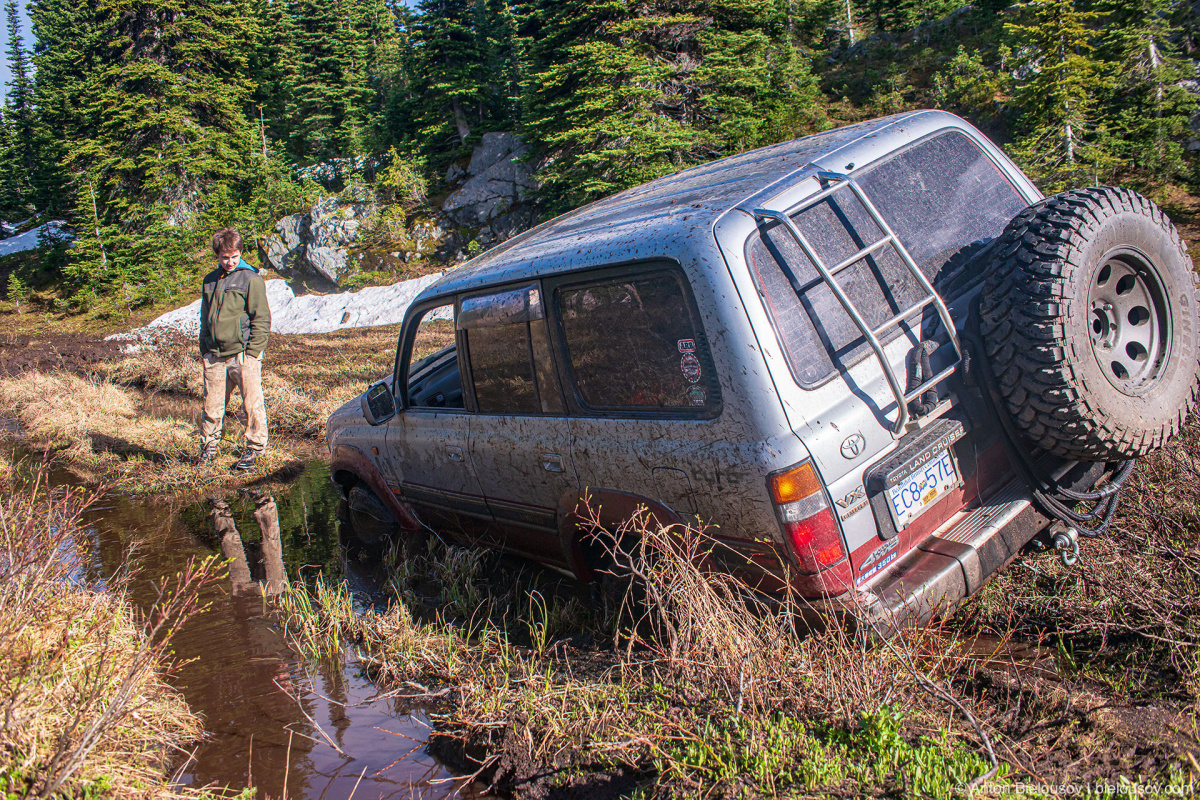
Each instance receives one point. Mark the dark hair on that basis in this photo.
(227, 240)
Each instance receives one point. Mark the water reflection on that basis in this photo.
(266, 514)
(262, 703)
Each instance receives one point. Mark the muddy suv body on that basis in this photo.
(771, 345)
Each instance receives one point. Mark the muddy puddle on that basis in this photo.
(270, 713)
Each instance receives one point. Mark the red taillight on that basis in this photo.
(807, 520)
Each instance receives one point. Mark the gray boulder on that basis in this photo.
(285, 249)
(313, 247)
(498, 181)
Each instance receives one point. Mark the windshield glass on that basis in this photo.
(944, 199)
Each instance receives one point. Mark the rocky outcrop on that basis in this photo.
(497, 190)
(316, 246)
(336, 239)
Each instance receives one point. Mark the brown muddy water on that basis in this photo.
(267, 709)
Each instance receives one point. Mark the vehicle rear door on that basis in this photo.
(642, 390)
(520, 440)
(944, 197)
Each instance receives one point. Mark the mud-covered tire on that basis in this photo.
(1089, 319)
(370, 521)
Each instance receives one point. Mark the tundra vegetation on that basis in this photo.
(678, 681)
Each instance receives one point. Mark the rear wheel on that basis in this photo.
(1089, 317)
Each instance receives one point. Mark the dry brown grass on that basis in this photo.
(84, 710)
(305, 378)
(1128, 615)
(101, 432)
(709, 689)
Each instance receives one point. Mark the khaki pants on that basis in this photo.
(221, 375)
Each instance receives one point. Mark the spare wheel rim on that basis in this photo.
(1129, 321)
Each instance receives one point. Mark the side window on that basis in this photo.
(634, 343)
(433, 376)
(497, 330)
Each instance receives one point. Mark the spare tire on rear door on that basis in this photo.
(1090, 323)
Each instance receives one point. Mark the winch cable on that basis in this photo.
(1057, 500)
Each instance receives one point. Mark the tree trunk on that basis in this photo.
(460, 120)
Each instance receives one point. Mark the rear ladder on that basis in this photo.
(835, 182)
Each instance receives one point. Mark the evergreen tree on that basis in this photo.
(451, 91)
(330, 99)
(162, 125)
(272, 65)
(19, 154)
(614, 110)
(756, 88)
(1062, 142)
(619, 94)
(1149, 106)
(393, 123)
(68, 40)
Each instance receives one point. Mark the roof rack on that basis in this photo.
(835, 182)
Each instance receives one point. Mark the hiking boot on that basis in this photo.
(209, 452)
(247, 462)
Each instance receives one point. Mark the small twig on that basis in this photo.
(941, 694)
(356, 783)
(309, 717)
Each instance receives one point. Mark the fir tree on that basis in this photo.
(1151, 109)
(70, 41)
(451, 91)
(161, 127)
(330, 98)
(19, 154)
(272, 65)
(1063, 143)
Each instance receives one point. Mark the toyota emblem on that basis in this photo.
(853, 445)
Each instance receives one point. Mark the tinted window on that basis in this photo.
(502, 367)
(944, 198)
(634, 343)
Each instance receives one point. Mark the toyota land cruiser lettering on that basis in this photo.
(875, 356)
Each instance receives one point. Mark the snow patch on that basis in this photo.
(27, 240)
(374, 305)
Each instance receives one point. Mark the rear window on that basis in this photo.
(944, 199)
(635, 343)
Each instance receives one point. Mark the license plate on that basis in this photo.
(923, 487)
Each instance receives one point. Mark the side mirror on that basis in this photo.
(378, 404)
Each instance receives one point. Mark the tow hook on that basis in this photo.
(1066, 542)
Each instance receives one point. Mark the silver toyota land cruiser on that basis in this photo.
(875, 362)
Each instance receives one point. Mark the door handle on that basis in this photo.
(552, 462)
(455, 453)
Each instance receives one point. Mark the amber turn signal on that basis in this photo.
(795, 484)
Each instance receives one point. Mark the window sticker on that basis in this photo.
(690, 365)
(686, 345)
(696, 396)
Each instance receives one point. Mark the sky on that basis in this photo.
(27, 39)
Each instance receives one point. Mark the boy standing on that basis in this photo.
(234, 323)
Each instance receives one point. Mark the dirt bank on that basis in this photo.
(52, 351)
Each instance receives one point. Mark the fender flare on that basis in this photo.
(611, 508)
(346, 458)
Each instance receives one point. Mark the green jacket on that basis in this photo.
(234, 314)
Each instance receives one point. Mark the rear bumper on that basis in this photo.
(951, 564)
